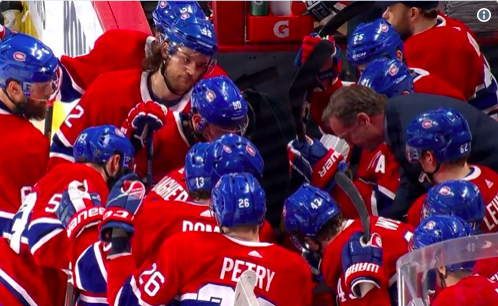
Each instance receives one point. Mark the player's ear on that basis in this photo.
(164, 49)
(363, 119)
(14, 88)
(113, 164)
(399, 55)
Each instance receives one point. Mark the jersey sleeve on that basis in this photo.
(84, 114)
(415, 212)
(320, 100)
(156, 282)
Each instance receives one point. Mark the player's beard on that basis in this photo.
(404, 30)
(32, 109)
(172, 79)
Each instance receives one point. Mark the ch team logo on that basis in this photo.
(185, 16)
(19, 56)
(445, 190)
(162, 4)
(427, 124)
(227, 149)
(384, 27)
(250, 150)
(430, 225)
(393, 70)
(210, 95)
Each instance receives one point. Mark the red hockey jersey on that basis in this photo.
(171, 187)
(114, 50)
(471, 291)
(170, 148)
(24, 282)
(162, 219)
(488, 268)
(47, 237)
(198, 266)
(39, 276)
(486, 180)
(379, 169)
(425, 82)
(452, 54)
(394, 234)
(23, 162)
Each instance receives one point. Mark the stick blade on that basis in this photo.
(244, 291)
(354, 195)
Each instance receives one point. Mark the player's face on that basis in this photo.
(31, 109)
(185, 68)
(359, 133)
(399, 16)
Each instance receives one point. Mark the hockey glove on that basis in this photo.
(332, 68)
(143, 120)
(314, 162)
(362, 264)
(123, 204)
(80, 207)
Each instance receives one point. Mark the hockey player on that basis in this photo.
(32, 274)
(313, 219)
(441, 141)
(119, 49)
(210, 264)
(379, 39)
(160, 219)
(459, 285)
(167, 78)
(29, 79)
(218, 108)
(431, 44)
(456, 198)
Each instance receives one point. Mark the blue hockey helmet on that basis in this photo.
(373, 40)
(192, 32)
(27, 60)
(167, 11)
(444, 131)
(307, 210)
(456, 198)
(436, 229)
(219, 102)
(238, 199)
(207, 162)
(387, 76)
(99, 143)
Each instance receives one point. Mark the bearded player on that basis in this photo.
(29, 80)
(35, 247)
(167, 78)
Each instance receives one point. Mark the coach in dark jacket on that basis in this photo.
(364, 118)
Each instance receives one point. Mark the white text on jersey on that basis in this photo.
(189, 226)
(237, 267)
(491, 211)
(169, 189)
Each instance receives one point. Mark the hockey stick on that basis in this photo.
(149, 146)
(244, 291)
(354, 195)
(306, 78)
(48, 121)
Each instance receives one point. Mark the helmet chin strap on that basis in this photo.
(430, 175)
